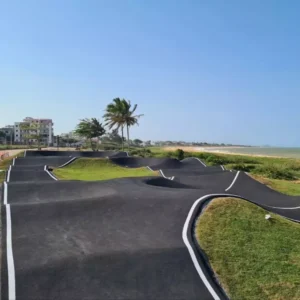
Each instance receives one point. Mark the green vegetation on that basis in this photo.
(179, 154)
(92, 169)
(33, 131)
(287, 187)
(5, 163)
(119, 115)
(253, 258)
(89, 129)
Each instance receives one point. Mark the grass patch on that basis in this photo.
(287, 187)
(252, 257)
(5, 163)
(94, 169)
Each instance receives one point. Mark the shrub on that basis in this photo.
(275, 172)
(241, 167)
(141, 152)
(179, 153)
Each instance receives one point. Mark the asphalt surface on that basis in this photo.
(129, 238)
(52, 153)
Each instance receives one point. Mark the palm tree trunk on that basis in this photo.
(122, 131)
(128, 137)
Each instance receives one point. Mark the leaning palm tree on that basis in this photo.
(130, 118)
(114, 116)
(119, 114)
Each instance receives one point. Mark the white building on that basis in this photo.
(30, 130)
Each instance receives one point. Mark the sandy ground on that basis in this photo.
(217, 151)
(12, 152)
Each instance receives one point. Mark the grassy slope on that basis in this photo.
(4, 164)
(253, 258)
(98, 169)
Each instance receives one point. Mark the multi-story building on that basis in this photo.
(7, 134)
(32, 130)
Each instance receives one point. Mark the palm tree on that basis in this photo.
(114, 116)
(130, 118)
(119, 114)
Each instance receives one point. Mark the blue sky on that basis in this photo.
(215, 71)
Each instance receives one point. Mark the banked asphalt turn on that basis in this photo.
(129, 238)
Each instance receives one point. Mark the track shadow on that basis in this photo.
(167, 183)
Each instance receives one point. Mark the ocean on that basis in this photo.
(269, 151)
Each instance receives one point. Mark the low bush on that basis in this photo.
(179, 153)
(144, 152)
(241, 167)
(275, 172)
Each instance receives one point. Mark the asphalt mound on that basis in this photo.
(167, 183)
(32, 175)
(49, 190)
(54, 161)
(190, 163)
(157, 163)
(261, 194)
(193, 161)
(137, 162)
(112, 248)
(91, 154)
(216, 182)
(192, 171)
(27, 168)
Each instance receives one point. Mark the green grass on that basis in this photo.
(252, 257)
(4, 165)
(93, 169)
(287, 187)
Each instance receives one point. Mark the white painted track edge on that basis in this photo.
(197, 159)
(9, 250)
(162, 173)
(49, 173)
(233, 182)
(5, 192)
(68, 162)
(10, 257)
(191, 250)
(8, 174)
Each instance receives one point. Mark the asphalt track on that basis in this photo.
(53, 153)
(129, 238)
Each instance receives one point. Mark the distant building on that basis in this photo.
(29, 129)
(7, 134)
